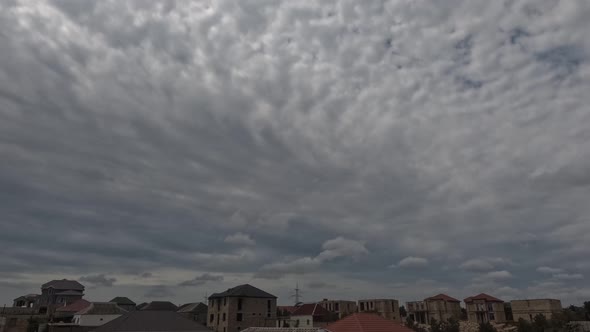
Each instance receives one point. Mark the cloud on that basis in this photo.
(498, 275)
(413, 262)
(568, 276)
(141, 147)
(240, 239)
(159, 291)
(201, 280)
(549, 270)
(98, 280)
(483, 264)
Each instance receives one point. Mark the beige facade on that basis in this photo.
(233, 311)
(386, 308)
(340, 307)
(485, 308)
(528, 309)
(417, 311)
(443, 310)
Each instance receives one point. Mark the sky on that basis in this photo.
(166, 150)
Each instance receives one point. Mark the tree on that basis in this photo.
(402, 311)
(524, 326)
(487, 327)
(540, 323)
(587, 309)
(453, 325)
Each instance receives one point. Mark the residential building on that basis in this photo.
(284, 316)
(386, 308)
(284, 329)
(146, 320)
(66, 314)
(418, 312)
(312, 315)
(19, 319)
(528, 309)
(59, 293)
(98, 313)
(484, 308)
(442, 307)
(194, 311)
(125, 303)
(340, 307)
(366, 322)
(26, 301)
(241, 307)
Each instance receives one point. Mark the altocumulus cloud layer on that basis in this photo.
(167, 149)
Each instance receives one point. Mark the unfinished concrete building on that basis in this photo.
(485, 308)
(442, 307)
(386, 308)
(341, 307)
(528, 309)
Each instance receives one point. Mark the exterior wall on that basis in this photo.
(528, 309)
(480, 311)
(340, 307)
(223, 313)
(94, 320)
(303, 321)
(442, 310)
(386, 308)
(417, 311)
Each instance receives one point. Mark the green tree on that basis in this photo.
(402, 311)
(453, 325)
(487, 327)
(524, 326)
(540, 323)
(587, 309)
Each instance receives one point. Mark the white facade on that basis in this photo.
(303, 321)
(93, 320)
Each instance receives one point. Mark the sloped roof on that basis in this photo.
(160, 306)
(482, 296)
(102, 308)
(243, 291)
(366, 322)
(121, 300)
(288, 308)
(74, 307)
(27, 297)
(443, 297)
(310, 309)
(64, 284)
(151, 321)
(193, 307)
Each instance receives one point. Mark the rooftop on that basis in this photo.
(482, 297)
(159, 306)
(443, 297)
(282, 329)
(310, 309)
(64, 284)
(70, 293)
(151, 321)
(243, 291)
(365, 322)
(74, 307)
(193, 307)
(102, 308)
(121, 300)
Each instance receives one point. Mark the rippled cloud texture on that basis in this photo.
(169, 149)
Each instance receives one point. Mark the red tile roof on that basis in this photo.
(366, 322)
(482, 296)
(310, 309)
(288, 308)
(443, 297)
(75, 307)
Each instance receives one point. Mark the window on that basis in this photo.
(239, 317)
(268, 304)
(362, 306)
(308, 322)
(268, 314)
(223, 319)
(224, 329)
(239, 328)
(392, 306)
(492, 317)
(224, 301)
(211, 318)
(240, 304)
(336, 306)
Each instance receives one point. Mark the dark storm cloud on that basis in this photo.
(289, 141)
(98, 280)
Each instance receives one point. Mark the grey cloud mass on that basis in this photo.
(284, 142)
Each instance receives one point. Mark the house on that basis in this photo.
(442, 307)
(341, 307)
(312, 315)
(124, 302)
(146, 320)
(284, 329)
(159, 306)
(484, 308)
(98, 313)
(366, 322)
(26, 301)
(386, 308)
(241, 307)
(59, 293)
(20, 319)
(528, 309)
(194, 311)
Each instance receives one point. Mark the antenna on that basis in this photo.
(297, 294)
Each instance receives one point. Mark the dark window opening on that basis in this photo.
(239, 317)
(211, 318)
(223, 319)
(240, 304)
